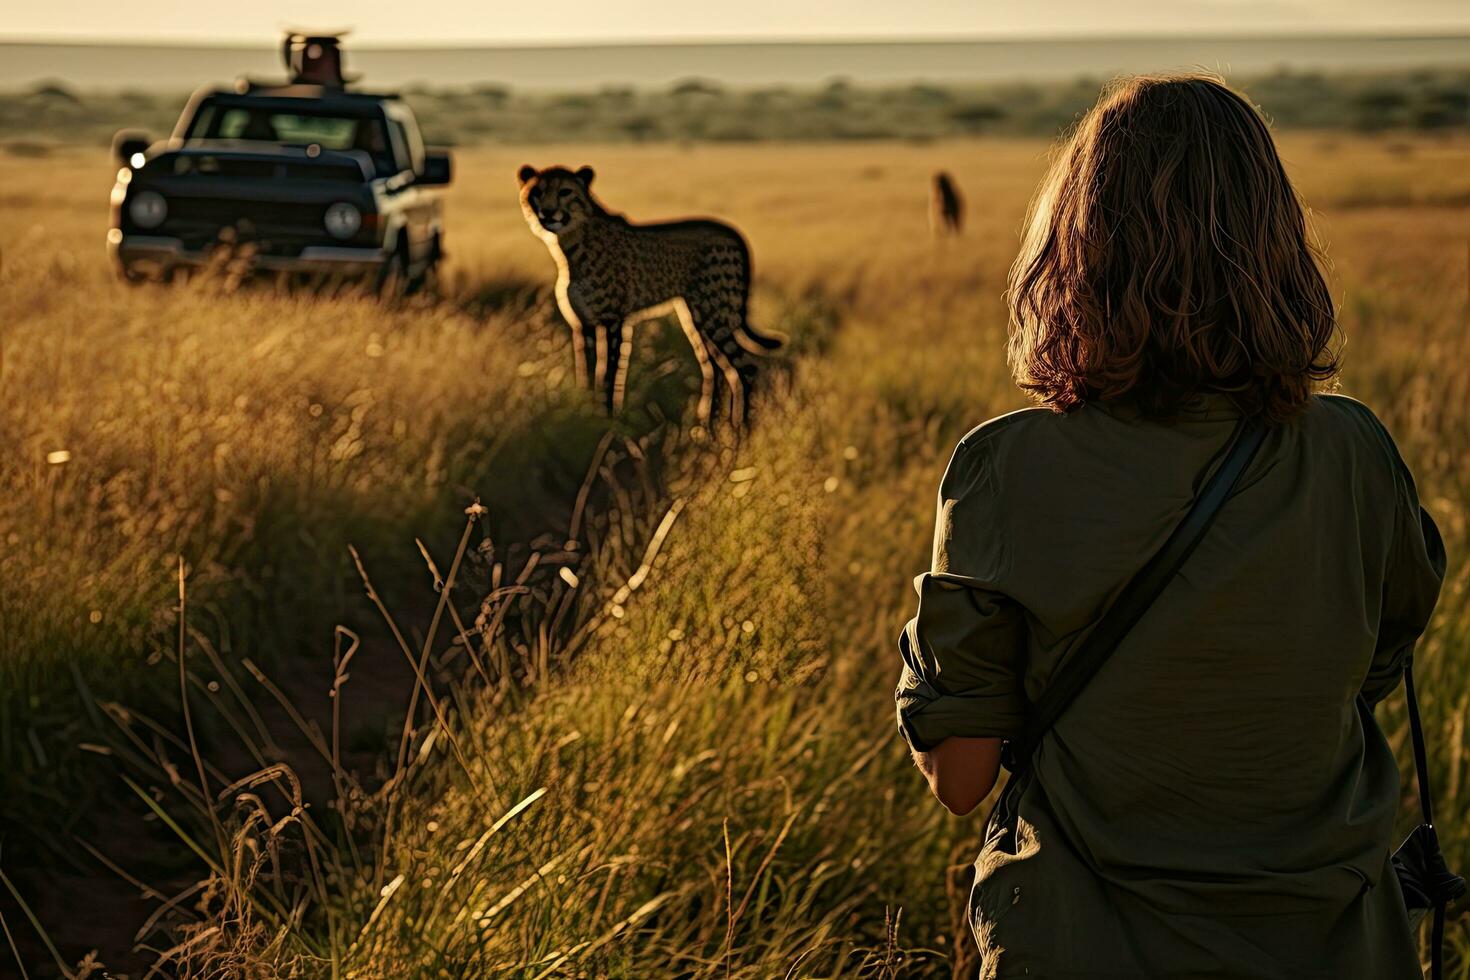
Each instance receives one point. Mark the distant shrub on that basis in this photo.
(51, 91)
(618, 95)
(1441, 109)
(573, 101)
(494, 94)
(1378, 108)
(641, 128)
(764, 96)
(696, 86)
(924, 94)
(976, 116)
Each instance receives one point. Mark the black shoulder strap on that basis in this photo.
(1416, 736)
(1442, 886)
(1140, 592)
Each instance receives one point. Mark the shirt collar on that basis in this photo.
(1202, 406)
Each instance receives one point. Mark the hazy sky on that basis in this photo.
(380, 23)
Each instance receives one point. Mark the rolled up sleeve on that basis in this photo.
(963, 652)
(961, 670)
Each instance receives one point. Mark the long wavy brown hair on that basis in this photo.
(1167, 254)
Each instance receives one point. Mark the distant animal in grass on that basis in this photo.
(946, 206)
(612, 274)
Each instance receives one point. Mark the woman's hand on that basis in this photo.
(961, 771)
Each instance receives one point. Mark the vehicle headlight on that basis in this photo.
(342, 220)
(148, 209)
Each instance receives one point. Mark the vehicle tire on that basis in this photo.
(143, 274)
(427, 281)
(393, 278)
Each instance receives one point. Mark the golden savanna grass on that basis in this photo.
(696, 776)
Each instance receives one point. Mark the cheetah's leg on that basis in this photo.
(597, 363)
(738, 410)
(706, 369)
(617, 337)
(581, 336)
(590, 356)
(747, 371)
(625, 357)
(720, 324)
(739, 362)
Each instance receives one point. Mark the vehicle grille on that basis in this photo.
(278, 229)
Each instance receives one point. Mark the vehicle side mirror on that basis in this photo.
(129, 145)
(438, 168)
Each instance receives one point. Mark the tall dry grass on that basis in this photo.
(696, 777)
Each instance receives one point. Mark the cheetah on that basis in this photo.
(946, 206)
(613, 274)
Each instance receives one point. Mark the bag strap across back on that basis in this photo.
(1416, 737)
(1139, 594)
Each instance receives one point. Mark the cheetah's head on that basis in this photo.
(556, 199)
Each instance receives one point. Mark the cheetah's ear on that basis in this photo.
(585, 175)
(526, 172)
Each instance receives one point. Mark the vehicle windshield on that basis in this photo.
(329, 130)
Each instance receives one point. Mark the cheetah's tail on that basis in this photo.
(757, 343)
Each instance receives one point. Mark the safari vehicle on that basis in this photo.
(306, 177)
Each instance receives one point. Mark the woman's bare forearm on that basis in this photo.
(961, 771)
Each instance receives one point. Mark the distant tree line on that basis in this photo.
(697, 109)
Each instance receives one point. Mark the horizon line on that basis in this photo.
(1368, 34)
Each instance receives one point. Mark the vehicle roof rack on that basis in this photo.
(245, 85)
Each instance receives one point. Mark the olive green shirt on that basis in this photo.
(1218, 801)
